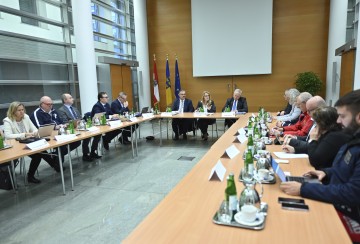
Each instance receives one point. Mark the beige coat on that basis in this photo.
(12, 130)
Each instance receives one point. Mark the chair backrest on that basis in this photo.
(87, 115)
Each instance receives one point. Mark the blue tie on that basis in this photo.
(73, 112)
(234, 106)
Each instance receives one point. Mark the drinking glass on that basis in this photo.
(224, 213)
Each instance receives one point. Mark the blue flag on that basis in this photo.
(168, 85)
(177, 80)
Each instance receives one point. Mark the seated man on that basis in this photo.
(45, 114)
(102, 106)
(121, 106)
(343, 189)
(68, 112)
(237, 103)
(182, 126)
(302, 127)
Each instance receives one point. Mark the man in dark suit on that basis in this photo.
(181, 126)
(46, 114)
(102, 106)
(68, 112)
(121, 106)
(235, 104)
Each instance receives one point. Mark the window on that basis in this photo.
(30, 7)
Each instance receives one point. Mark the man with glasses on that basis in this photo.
(67, 113)
(46, 114)
(121, 106)
(182, 105)
(102, 106)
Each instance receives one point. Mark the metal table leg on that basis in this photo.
(13, 172)
(61, 170)
(70, 164)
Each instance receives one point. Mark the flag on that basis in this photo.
(156, 97)
(177, 80)
(168, 85)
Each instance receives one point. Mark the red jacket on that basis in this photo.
(301, 128)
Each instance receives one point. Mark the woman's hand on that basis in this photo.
(288, 149)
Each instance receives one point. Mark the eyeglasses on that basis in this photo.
(48, 104)
(105, 97)
(182, 94)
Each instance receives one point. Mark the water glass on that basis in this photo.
(224, 213)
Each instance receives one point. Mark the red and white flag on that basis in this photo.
(156, 95)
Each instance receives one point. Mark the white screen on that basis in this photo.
(231, 37)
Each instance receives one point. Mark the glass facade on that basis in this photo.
(37, 55)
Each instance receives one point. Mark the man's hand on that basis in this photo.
(316, 173)
(126, 104)
(291, 188)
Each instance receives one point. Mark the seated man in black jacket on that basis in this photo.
(102, 106)
(182, 105)
(45, 114)
(237, 103)
(121, 106)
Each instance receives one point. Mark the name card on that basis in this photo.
(65, 137)
(240, 138)
(231, 152)
(240, 131)
(148, 115)
(217, 172)
(228, 114)
(92, 128)
(166, 114)
(200, 114)
(133, 119)
(115, 123)
(37, 144)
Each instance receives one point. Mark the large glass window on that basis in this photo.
(30, 7)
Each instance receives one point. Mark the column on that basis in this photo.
(337, 34)
(85, 53)
(142, 50)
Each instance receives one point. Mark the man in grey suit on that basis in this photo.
(67, 112)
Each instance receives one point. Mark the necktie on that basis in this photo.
(74, 115)
(234, 106)
(181, 108)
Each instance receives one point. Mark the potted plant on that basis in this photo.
(308, 82)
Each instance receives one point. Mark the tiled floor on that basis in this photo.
(111, 195)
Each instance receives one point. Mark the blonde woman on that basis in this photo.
(206, 105)
(17, 124)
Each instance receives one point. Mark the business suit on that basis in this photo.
(66, 115)
(118, 108)
(12, 131)
(181, 126)
(204, 123)
(241, 106)
(100, 108)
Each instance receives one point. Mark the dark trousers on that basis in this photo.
(204, 123)
(36, 159)
(126, 131)
(111, 135)
(64, 150)
(94, 144)
(229, 122)
(181, 126)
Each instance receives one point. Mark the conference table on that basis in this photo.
(19, 150)
(185, 214)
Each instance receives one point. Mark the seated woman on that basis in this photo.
(207, 106)
(324, 141)
(288, 107)
(293, 116)
(17, 124)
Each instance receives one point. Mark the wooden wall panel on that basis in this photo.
(300, 33)
(121, 81)
(347, 72)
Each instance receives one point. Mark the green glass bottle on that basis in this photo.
(71, 127)
(249, 162)
(257, 134)
(250, 144)
(1, 142)
(88, 123)
(231, 194)
(250, 128)
(103, 119)
(227, 109)
(201, 109)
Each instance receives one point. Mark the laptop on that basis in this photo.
(145, 110)
(285, 178)
(98, 115)
(46, 130)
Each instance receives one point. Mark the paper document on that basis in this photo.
(227, 114)
(37, 144)
(65, 137)
(242, 138)
(290, 155)
(166, 114)
(93, 128)
(232, 151)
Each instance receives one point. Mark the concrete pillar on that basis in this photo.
(142, 53)
(85, 53)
